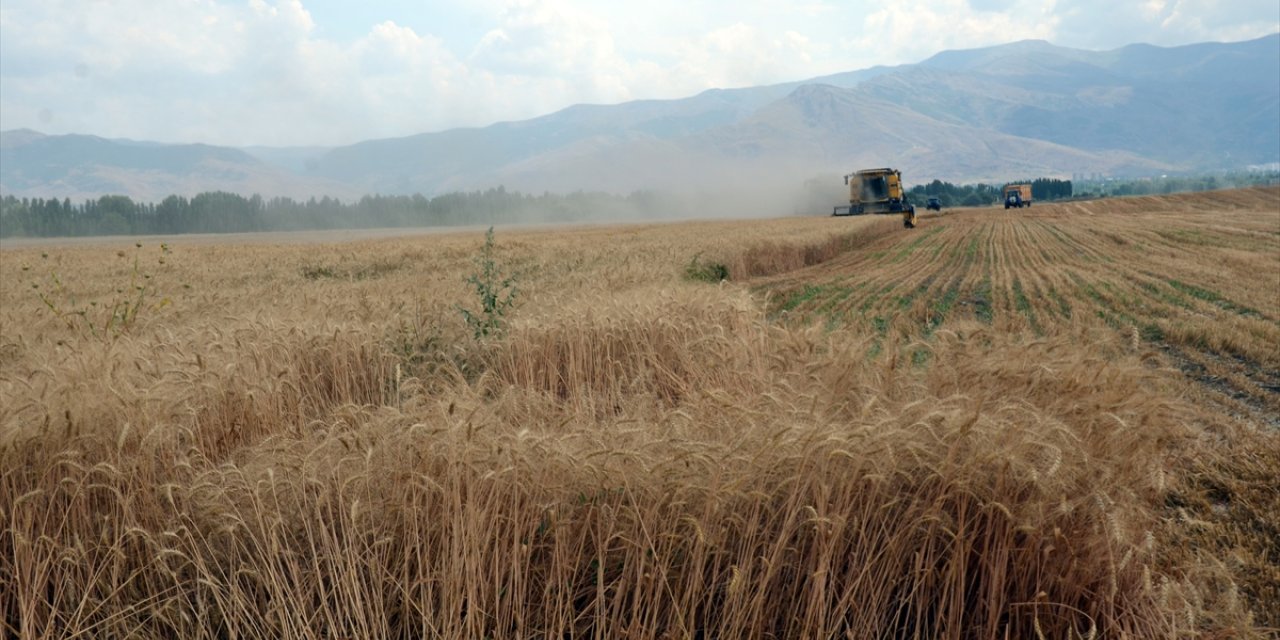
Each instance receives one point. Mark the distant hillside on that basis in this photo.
(460, 158)
(991, 114)
(1204, 106)
(815, 130)
(81, 166)
(983, 114)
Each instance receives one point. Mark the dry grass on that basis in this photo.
(307, 443)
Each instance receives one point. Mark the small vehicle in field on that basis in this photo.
(933, 204)
(1017, 195)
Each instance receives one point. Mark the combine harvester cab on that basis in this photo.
(877, 191)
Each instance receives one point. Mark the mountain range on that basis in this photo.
(1024, 109)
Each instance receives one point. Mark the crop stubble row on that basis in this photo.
(1195, 277)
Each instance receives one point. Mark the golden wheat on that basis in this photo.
(991, 427)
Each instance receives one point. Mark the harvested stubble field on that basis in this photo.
(1057, 423)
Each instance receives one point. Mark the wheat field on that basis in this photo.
(1052, 423)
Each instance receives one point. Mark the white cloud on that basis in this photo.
(742, 55)
(546, 38)
(260, 72)
(916, 29)
(1100, 24)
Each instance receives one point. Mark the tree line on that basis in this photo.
(222, 212)
(1049, 189)
(981, 194)
(1177, 184)
(976, 195)
(953, 195)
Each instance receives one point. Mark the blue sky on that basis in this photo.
(329, 72)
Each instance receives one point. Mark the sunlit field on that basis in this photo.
(1057, 422)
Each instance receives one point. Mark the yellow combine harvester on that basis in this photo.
(877, 191)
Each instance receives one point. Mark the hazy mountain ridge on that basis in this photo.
(1027, 107)
(1197, 106)
(83, 166)
(457, 157)
(995, 113)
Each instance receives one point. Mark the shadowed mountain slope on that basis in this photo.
(990, 114)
